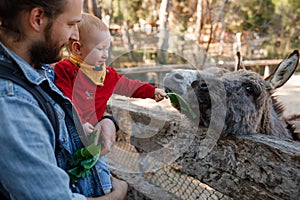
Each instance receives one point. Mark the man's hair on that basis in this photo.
(11, 13)
(87, 22)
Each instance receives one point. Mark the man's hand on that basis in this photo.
(108, 134)
(119, 187)
(119, 191)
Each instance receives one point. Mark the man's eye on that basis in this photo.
(71, 25)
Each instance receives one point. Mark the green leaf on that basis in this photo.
(89, 163)
(76, 171)
(179, 103)
(84, 159)
(81, 154)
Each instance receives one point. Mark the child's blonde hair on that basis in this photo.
(86, 23)
(84, 27)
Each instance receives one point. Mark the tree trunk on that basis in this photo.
(85, 6)
(92, 7)
(198, 20)
(215, 23)
(109, 21)
(163, 31)
(110, 13)
(97, 8)
(125, 32)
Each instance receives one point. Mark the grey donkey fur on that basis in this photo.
(244, 96)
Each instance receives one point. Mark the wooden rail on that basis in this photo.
(166, 68)
(154, 68)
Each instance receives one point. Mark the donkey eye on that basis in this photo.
(252, 90)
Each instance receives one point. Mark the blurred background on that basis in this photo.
(165, 34)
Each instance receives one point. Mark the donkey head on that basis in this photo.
(244, 96)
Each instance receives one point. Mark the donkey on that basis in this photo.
(245, 98)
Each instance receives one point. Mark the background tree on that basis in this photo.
(268, 25)
(285, 27)
(93, 6)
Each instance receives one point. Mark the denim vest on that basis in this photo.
(90, 186)
(37, 123)
(93, 185)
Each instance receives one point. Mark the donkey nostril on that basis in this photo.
(194, 84)
(178, 76)
(199, 84)
(203, 85)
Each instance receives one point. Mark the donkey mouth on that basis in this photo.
(199, 102)
(200, 95)
(204, 112)
(168, 90)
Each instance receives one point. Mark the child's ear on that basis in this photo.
(76, 48)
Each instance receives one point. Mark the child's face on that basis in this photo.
(95, 51)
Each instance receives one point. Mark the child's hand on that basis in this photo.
(159, 94)
(88, 128)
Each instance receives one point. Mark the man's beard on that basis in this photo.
(44, 52)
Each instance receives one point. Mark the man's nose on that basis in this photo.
(75, 33)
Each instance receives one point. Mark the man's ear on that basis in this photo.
(37, 19)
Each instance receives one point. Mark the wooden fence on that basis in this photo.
(260, 66)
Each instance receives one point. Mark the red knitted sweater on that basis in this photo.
(90, 100)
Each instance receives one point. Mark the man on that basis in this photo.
(33, 33)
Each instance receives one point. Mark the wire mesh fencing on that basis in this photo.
(166, 182)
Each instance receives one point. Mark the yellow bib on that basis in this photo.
(95, 73)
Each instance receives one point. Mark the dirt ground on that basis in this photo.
(289, 95)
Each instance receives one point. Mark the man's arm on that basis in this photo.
(108, 133)
(27, 149)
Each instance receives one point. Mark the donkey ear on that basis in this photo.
(239, 64)
(284, 70)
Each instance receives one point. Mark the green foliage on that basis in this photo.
(181, 12)
(285, 29)
(276, 19)
(179, 103)
(84, 159)
(135, 10)
(117, 10)
(255, 15)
